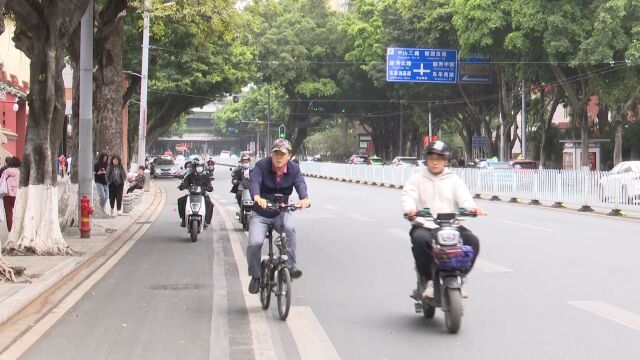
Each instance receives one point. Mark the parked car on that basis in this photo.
(622, 183)
(165, 168)
(376, 160)
(225, 153)
(359, 160)
(524, 164)
(405, 161)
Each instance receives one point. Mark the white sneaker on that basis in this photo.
(427, 294)
(113, 212)
(120, 213)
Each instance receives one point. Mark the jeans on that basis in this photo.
(103, 192)
(258, 231)
(421, 238)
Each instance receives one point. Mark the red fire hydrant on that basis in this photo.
(85, 211)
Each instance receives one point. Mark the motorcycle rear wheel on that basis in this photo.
(194, 230)
(265, 285)
(453, 315)
(283, 292)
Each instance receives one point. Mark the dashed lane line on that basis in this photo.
(312, 341)
(610, 312)
(525, 225)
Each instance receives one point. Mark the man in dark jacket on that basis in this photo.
(240, 178)
(270, 176)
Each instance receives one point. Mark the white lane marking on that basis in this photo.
(24, 343)
(613, 313)
(260, 334)
(330, 207)
(224, 201)
(359, 217)
(399, 233)
(487, 266)
(525, 225)
(219, 341)
(312, 341)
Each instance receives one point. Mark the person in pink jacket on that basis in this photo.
(12, 176)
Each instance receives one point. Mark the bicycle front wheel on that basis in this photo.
(284, 293)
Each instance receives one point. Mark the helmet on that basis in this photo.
(245, 157)
(195, 161)
(437, 147)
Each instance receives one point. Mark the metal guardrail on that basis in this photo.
(585, 189)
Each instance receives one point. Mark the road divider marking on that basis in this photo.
(312, 341)
(219, 341)
(610, 312)
(525, 225)
(260, 334)
(487, 266)
(359, 217)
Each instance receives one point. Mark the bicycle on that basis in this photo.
(274, 272)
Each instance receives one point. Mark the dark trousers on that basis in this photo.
(9, 202)
(182, 205)
(115, 195)
(421, 239)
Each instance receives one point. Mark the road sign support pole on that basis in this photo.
(523, 118)
(400, 143)
(430, 128)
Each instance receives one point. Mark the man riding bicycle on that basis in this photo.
(442, 191)
(273, 175)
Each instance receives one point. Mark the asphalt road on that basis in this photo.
(551, 284)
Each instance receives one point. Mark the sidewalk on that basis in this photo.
(47, 271)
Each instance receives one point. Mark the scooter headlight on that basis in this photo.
(448, 237)
(195, 207)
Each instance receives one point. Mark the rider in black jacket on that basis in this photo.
(199, 178)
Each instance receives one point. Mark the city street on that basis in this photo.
(550, 284)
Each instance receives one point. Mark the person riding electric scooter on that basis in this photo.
(441, 191)
(197, 177)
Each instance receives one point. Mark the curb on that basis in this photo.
(31, 292)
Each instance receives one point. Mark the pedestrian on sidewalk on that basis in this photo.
(63, 164)
(138, 181)
(116, 177)
(100, 177)
(11, 176)
(6, 164)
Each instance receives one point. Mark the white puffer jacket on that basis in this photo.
(441, 193)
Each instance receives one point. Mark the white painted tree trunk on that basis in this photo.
(69, 206)
(35, 223)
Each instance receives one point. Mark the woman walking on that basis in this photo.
(100, 176)
(116, 176)
(11, 176)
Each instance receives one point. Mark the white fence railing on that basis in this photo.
(583, 189)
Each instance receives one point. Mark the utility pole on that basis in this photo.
(523, 117)
(142, 127)
(85, 150)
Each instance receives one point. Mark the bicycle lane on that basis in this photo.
(299, 337)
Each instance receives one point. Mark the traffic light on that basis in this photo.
(343, 109)
(282, 131)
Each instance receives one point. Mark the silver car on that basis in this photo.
(165, 168)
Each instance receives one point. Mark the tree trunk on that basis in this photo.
(584, 137)
(108, 89)
(36, 229)
(41, 33)
(617, 149)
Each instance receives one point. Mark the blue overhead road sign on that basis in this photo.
(422, 65)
